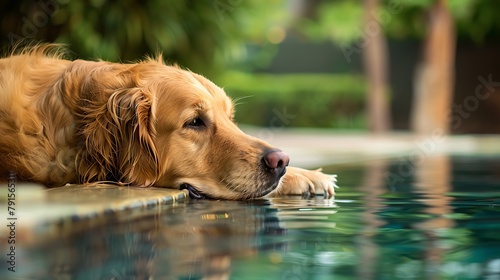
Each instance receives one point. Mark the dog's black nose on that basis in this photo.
(276, 160)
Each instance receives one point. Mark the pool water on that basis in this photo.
(404, 218)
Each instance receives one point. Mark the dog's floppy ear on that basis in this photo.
(118, 127)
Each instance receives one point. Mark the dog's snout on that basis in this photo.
(276, 159)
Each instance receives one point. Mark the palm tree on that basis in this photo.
(375, 64)
(434, 76)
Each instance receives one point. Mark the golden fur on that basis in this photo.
(144, 124)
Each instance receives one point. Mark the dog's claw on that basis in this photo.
(308, 183)
(193, 192)
(308, 194)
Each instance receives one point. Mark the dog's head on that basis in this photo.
(163, 126)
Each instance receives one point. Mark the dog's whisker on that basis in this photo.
(236, 101)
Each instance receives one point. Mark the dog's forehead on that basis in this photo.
(193, 90)
(207, 89)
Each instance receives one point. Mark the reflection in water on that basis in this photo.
(433, 177)
(192, 239)
(428, 224)
(433, 183)
(427, 215)
(373, 186)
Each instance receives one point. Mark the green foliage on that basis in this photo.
(324, 100)
(190, 33)
(200, 35)
(411, 21)
(337, 20)
(342, 21)
(478, 20)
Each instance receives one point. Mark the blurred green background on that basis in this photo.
(301, 57)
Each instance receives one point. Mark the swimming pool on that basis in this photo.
(436, 217)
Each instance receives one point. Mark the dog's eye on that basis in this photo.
(195, 123)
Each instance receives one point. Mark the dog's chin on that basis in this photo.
(201, 192)
(265, 191)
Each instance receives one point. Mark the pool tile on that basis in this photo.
(40, 213)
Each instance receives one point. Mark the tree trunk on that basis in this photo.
(434, 77)
(375, 64)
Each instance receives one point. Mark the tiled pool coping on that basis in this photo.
(43, 213)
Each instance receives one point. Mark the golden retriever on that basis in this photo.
(141, 124)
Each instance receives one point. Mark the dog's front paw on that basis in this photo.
(298, 181)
